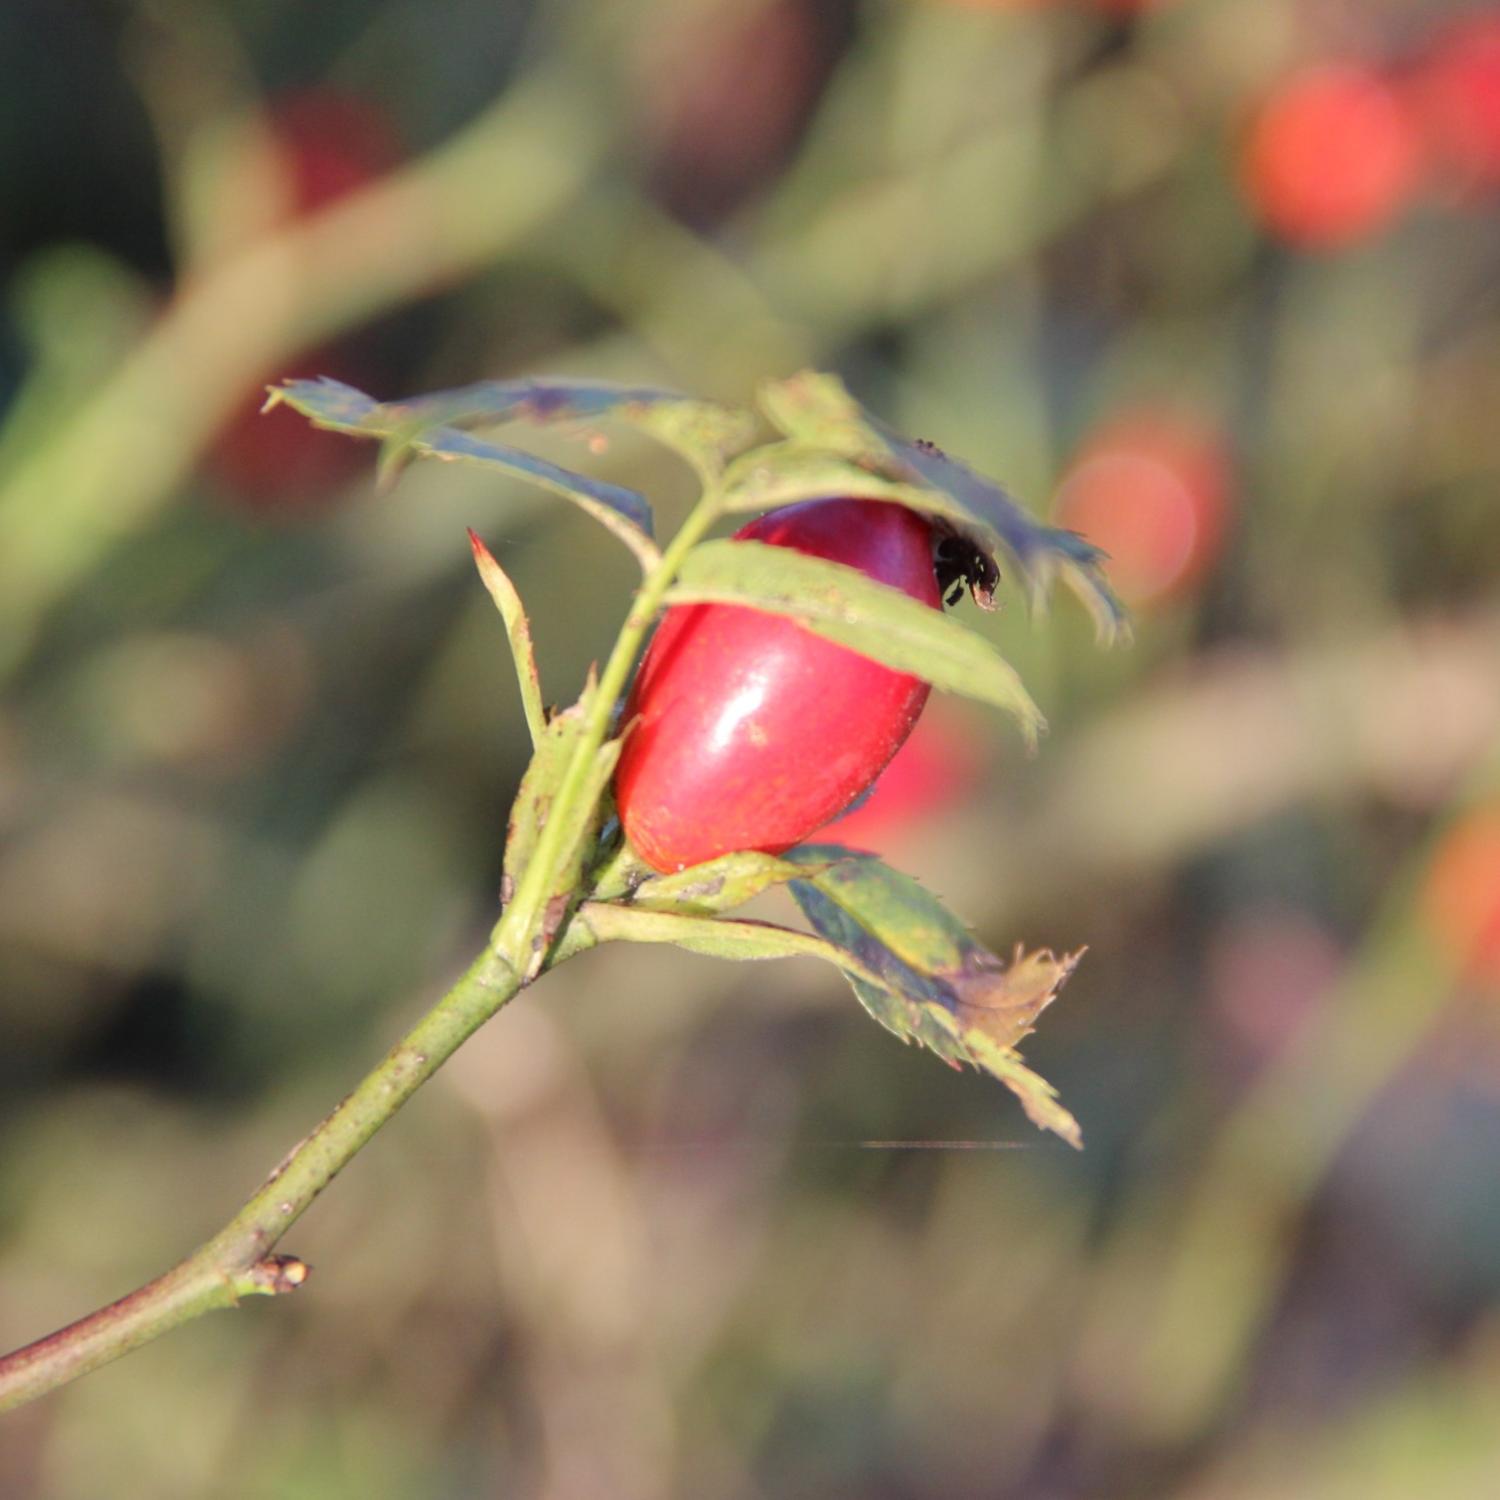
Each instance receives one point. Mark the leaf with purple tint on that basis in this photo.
(696, 428)
(341, 408)
(823, 422)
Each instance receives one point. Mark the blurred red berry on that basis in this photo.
(279, 461)
(723, 100)
(938, 766)
(331, 144)
(1332, 157)
(1267, 972)
(1457, 98)
(1108, 7)
(1461, 895)
(328, 144)
(1151, 487)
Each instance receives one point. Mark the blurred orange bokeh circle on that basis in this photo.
(1332, 157)
(1151, 487)
(1461, 896)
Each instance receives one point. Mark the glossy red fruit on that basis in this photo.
(749, 731)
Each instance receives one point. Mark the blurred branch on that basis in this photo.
(1235, 737)
(1232, 1247)
(1405, 715)
(1411, 714)
(238, 1261)
(113, 464)
(856, 232)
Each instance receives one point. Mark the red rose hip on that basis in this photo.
(1332, 157)
(750, 732)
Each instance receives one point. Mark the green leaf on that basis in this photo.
(841, 604)
(932, 982)
(533, 805)
(820, 417)
(717, 885)
(783, 473)
(689, 425)
(341, 408)
(913, 966)
(518, 632)
(714, 937)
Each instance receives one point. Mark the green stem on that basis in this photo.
(523, 916)
(619, 874)
(238, 1261)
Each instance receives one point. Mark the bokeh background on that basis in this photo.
(1212, 280)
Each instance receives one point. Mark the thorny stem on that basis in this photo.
(239, 1260)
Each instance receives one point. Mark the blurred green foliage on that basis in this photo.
(675, 1228)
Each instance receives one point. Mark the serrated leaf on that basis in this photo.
(932, 982)
(518, 632)
(913, 966)
(341, 408)
(717, 885)
(843, 605)
(817, 412)
(532, 807)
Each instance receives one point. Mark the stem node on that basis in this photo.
(277, 1275)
